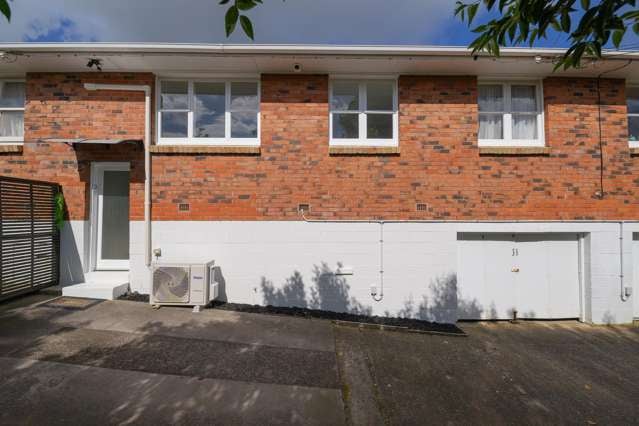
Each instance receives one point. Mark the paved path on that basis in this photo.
(124, 362)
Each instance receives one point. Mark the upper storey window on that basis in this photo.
(363, 112)
(632, 99)
(209, 112)
(510, 114)
(12, 99)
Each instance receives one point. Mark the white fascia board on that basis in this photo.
(284, 49)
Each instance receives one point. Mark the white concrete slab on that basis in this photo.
(107, 285)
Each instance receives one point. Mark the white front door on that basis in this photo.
(536, 275)
(110, 216)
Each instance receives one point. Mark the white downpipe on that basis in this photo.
(624, 295)
(147, 154)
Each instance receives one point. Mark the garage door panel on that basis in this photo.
(547, 275)
(635, 273)
(487, 291)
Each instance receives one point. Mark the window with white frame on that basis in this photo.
(12, 98)
(363, 112)
(510, 114)
(209, 112)
(632, 100)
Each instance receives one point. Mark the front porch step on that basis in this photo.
(106, 285)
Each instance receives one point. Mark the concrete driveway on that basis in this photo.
(124, 362)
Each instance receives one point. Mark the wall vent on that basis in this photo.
(303, 208)
(421, 207)
(184, 207)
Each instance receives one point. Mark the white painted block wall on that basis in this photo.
(419, 258)
(420, 261)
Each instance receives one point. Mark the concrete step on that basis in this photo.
(107, 285)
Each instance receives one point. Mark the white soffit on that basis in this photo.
(219, 59)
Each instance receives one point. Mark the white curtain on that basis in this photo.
(11, 123)
(12, 94)
(491, 98)
(491, 126)
(523, 99)
(524, 126)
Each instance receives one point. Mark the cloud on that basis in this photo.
(277, 21)
(56, 30)
(295, 21)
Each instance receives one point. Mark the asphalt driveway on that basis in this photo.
(124, 362)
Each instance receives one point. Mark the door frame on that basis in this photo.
(97, 176)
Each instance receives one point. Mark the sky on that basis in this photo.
(411, 22)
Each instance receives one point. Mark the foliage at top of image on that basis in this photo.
(589, 26)
(5, 9)
(234, 13)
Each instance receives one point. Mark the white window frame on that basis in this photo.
(631, 143)
(18, 140)
(362, 112)
(507, 140)
(227, 140)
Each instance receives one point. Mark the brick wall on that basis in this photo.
(439, 164)
(58, 106)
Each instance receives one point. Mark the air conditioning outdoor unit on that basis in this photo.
(187, 284)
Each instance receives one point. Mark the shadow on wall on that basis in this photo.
(445, 305)
(71, 270)
(329, 292)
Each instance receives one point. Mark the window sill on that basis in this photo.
(201, 149)
(634, 151)
(514, 150)
(363, 150)
(10, 148)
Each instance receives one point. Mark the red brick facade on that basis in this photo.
(58, 107)
(439, 163)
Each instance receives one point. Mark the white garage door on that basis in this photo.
(635, 262)
(536, 275)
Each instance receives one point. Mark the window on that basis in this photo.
(363, 113)
(12, 98)
(632, 99)
(510, 114)
(208, 112)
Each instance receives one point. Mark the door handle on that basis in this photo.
(514, 269)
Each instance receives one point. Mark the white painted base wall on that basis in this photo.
(295, 263)
(635, 263)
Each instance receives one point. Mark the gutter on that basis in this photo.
(286, 49)
(147, 154)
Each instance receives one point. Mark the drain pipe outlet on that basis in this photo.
(147, 154)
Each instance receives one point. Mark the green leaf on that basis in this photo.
(472, 11)
(565, 22)
(585, 4)
(59, 211)
(230, 20)
(5, 9)
(247, 26)
(617, 36)
(635, 28)
(245, 4)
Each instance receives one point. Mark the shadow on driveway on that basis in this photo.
(527, 373)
